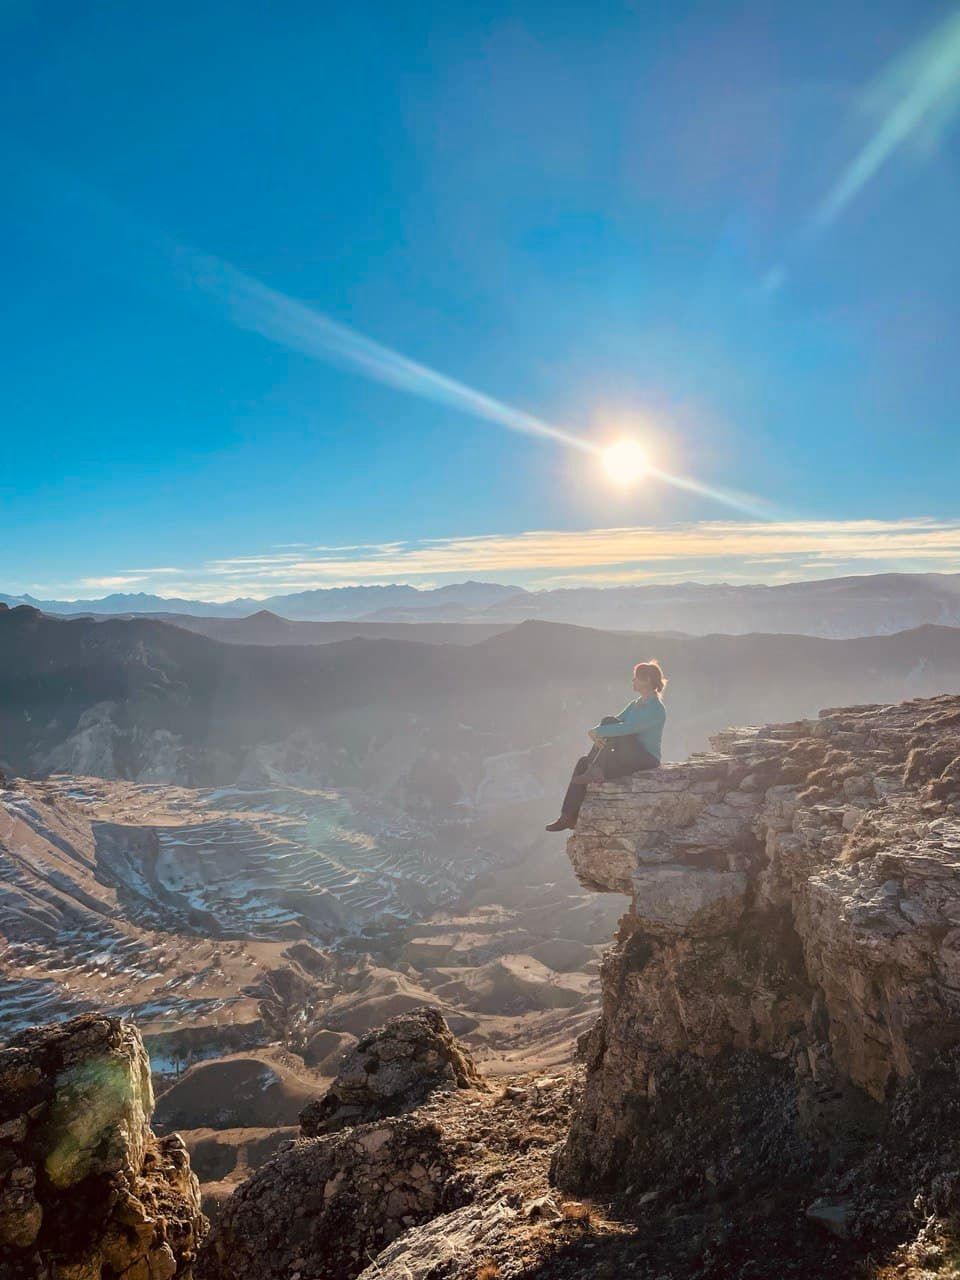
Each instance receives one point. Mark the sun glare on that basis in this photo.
(624, 462)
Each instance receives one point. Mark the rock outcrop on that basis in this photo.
(86, 1189)
(781, 1009)
(326, 1206)
(364, 1171)
(391, 1070)
(509, 1221)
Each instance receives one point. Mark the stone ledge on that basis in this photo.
(665, 816)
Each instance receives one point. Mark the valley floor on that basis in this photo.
(229, 926)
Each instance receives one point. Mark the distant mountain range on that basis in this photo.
(319, 605)
(872, 604)
(505, 716)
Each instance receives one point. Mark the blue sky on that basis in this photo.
(727, 230)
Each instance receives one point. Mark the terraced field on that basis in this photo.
(165, 903)
(255, 863)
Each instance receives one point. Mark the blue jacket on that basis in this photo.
(644, 718)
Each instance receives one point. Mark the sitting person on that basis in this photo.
(623, 744)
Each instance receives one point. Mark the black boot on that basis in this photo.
(564, 823)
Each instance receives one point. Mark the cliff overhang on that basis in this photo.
(785, 983)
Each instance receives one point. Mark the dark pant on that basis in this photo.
(616, 757)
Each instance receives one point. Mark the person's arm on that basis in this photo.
(630, 719)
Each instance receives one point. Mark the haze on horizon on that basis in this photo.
(323, 299)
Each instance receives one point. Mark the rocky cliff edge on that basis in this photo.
(781, 1009)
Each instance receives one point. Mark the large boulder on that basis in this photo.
(86, 1189)
(326, 1206)
(365, 1169)
(392, 1070)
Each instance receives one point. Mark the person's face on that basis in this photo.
(643, 684)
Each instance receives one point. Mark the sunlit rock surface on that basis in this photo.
(363, 1173)
(788, 970)
(391, 1070)
(86, 1189)
(326, 1206)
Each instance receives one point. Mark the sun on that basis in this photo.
(624, 462)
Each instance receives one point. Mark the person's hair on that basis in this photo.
(653, 671)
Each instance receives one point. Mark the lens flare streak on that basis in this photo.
(255, 307)
(131, 249)
(921, 90)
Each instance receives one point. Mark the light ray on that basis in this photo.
(922, 88)
(748, 503)
(916, 97)
(148, 255)
(255, 307)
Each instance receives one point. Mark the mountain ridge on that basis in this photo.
(843, 606)
(145, 699)
(351, 602)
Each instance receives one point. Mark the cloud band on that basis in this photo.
(704, 550)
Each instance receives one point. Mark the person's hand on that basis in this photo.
(592, 734)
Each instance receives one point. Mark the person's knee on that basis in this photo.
(581, 764)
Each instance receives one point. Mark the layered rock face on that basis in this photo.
(86, 1189)
(784, 990)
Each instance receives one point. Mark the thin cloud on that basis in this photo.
(711, 550)
(145, 573)
(111, 582)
